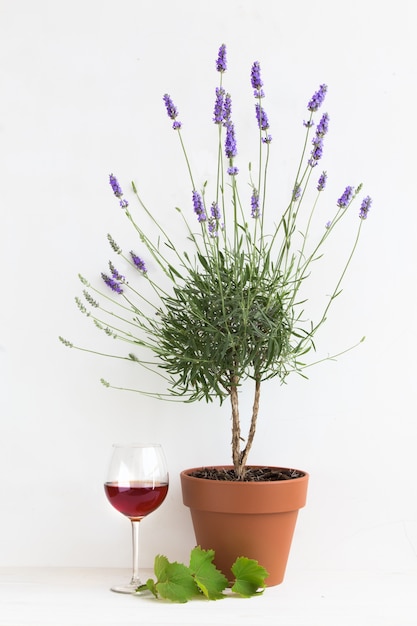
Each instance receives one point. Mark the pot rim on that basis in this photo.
(188, 471)
(248, 497)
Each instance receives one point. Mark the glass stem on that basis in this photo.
(135, 549)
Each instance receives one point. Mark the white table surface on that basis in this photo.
(81, 597)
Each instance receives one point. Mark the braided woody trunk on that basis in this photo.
(240, 456)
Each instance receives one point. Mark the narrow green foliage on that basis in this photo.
(178, 583)
(220, 321)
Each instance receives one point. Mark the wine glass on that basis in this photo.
(136, 484)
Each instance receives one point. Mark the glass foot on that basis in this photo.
(127, 587)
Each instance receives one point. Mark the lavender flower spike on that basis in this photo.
(112, 283)
(345, 198)
(199, 209)
(365, 206)
(138, 262)
(227, 108)
(116, 275)
(215, 211)
(317, 99)
(255, 212)
(117, 190)
(323, 125)
(261, 117)
(322, 181)
(230, 143)
(221, 64)
(172, 111)
(219, 111)
(212, 228)
(256, 80)
(317, 151)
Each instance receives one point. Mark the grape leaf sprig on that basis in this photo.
(180, 583)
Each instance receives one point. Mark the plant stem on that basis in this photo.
(236, 439)
(240, 457)
(252, 429)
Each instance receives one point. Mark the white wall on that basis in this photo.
(81, 97)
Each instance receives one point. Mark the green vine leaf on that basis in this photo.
(208, 578)
(179, 583)
(175, 581)
(161, 564)
(250, 577)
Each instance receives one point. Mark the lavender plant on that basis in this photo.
(233, 310)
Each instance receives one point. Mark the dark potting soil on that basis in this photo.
(253, 474)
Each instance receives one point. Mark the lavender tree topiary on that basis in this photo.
(233, 311)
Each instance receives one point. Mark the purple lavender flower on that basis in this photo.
(256, 80)
(254, 201)
(218, 116)
(262, 117)
(267, 139)
(227, 108)
(199, 207)
(345, 198)
(116, 275)
(232, 170)
(112, 283)
(221, 64)
(215, 211)
(170, 107)
(317, 151)
(212, 228)
(365, 206)
(117, 190)
(322, 181)
(323, 125)
(138, 262)
(213, 222)
(317, 99)
(172, 111)
(230, 143)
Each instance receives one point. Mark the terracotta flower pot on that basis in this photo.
(251, 519)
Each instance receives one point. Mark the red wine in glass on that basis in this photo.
(136, 485)
(136, 499)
